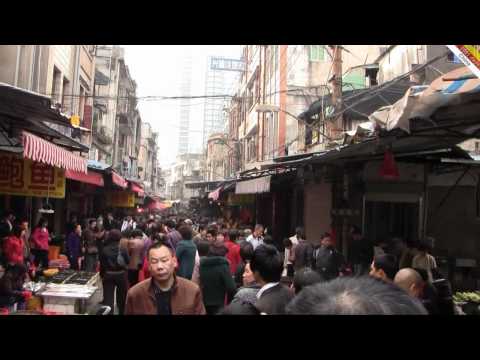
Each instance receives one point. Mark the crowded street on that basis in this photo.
(239, 180)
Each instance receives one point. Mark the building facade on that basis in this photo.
(215, 157)
(147, 158)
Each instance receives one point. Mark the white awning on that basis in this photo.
(255, 186)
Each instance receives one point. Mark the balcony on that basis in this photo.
(102, 135)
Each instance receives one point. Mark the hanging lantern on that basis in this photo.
(389, 169)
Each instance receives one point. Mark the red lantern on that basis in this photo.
(389, 169)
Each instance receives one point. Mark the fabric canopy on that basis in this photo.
(90, 178)
(214, 195)
(255, 186)
(137, 189)
(40, 150)
(119, 181)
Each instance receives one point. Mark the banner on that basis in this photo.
(23, 177)
(124, 199)
(469, 55)
(236, 199)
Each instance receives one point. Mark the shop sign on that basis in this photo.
(23, 177)
(469, 55)
(120, 199)
(240, 199)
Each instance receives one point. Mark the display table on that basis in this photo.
(71, 292)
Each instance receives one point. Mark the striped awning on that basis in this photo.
(137, 189)
(91, 177)
(40, 150)
(214, 195)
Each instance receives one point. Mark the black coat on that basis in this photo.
(303, 255)
(328, 262)
(274, 300)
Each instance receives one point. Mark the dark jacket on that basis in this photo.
(360, 252)
(303, 255)
(90, 241)
(215, 280)
(174, 237)
(109, 258)
(328, 262)
(186, 251)
(74, 244)
(274, 300)
(186, 299)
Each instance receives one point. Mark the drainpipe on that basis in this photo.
(17, 65)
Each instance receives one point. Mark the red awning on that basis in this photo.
(119, 181)
(157, 205)
(214, 195)
(137, 189)
(90, 178)
(37, 149)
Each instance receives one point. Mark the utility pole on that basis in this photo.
(336, 80)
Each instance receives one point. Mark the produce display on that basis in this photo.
(463, 297)
(50, 272)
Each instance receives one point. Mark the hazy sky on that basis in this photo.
(157, 70)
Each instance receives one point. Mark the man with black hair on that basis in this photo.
(267, 267)
(211, 235)
(363, 295)
(384, 267)
(90, 245)
(256, 238)
(172, 233)
(304, 278)
(164, 293)
(303, 252)
(361, 251)
(185, 252)
(328, 261)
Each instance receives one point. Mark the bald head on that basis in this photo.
(410, 281)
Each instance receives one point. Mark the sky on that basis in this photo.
(157, 70)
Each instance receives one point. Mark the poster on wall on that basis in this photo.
(23, 177)
(121, 199)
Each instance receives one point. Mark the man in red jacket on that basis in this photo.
(233, 255)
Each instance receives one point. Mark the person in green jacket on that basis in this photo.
(185, 253)
(216, 282)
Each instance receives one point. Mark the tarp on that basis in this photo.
(90, 177)
(119, 181)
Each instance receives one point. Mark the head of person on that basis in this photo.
(327, 241)
(170, 224)
(287, 243)
(411, 281)
(300, 232)
(211, 235)
(219, 240)
(113, 236)
(233, 235)
(158, 237)
(78, 229)
(304, 278)
(161, 262)
(355, 233)
(426, 245)
(268, 240)
(188, 222)
(129, 218)
(266, 264)
(384, 267)
(246, 251)
(202, 229)
(24, 225)
(126, 234)
(248, 278)
(100, 222)
(186, 232)
(355, 296)
(110, 216)
(92, 224)
(9, 215)
(203, 247)
(43, 223)
(247, 232)
(258, 230)
(136, 234)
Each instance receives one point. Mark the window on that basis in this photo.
(66, 98)
(56, 85)
(316, 53)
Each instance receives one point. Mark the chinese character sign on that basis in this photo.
(120, 199)
(24, 177)
(469, 55)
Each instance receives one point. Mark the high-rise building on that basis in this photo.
(221, 77)
(185, 105)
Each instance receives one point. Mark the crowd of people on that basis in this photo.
(176, 265)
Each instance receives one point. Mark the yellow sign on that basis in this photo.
(75, 120)
(469, 55)
(120, 199)
(24, 177)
